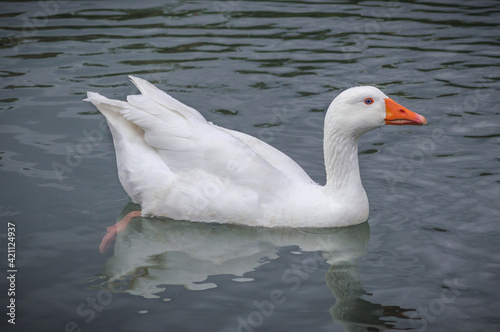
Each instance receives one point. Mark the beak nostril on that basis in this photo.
(402, 111)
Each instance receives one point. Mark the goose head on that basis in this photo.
(360, 109)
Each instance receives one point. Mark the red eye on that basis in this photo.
(368, 101)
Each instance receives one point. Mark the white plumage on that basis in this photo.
(178, 165)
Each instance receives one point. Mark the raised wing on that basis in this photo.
(185, 141)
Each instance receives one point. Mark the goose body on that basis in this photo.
(176, 164)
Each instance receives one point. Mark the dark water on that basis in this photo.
(427, 260)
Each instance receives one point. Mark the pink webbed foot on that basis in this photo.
(112, 231)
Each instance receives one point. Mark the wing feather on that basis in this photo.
(167, 151)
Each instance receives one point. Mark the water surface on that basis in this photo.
(426, 260)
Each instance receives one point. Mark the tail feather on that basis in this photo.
(120, 127)
(162, 98)
(133, 156)
(106, 106)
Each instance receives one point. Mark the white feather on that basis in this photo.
(177, 165)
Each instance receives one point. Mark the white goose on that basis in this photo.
(176, 164)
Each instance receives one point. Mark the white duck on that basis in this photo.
(176, 164)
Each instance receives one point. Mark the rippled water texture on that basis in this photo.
(427, 260)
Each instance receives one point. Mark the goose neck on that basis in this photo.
(341, 163)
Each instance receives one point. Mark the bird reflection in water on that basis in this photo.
(153, 253)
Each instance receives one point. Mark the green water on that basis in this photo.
(427, 260)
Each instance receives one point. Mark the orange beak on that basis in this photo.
(399, 115)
